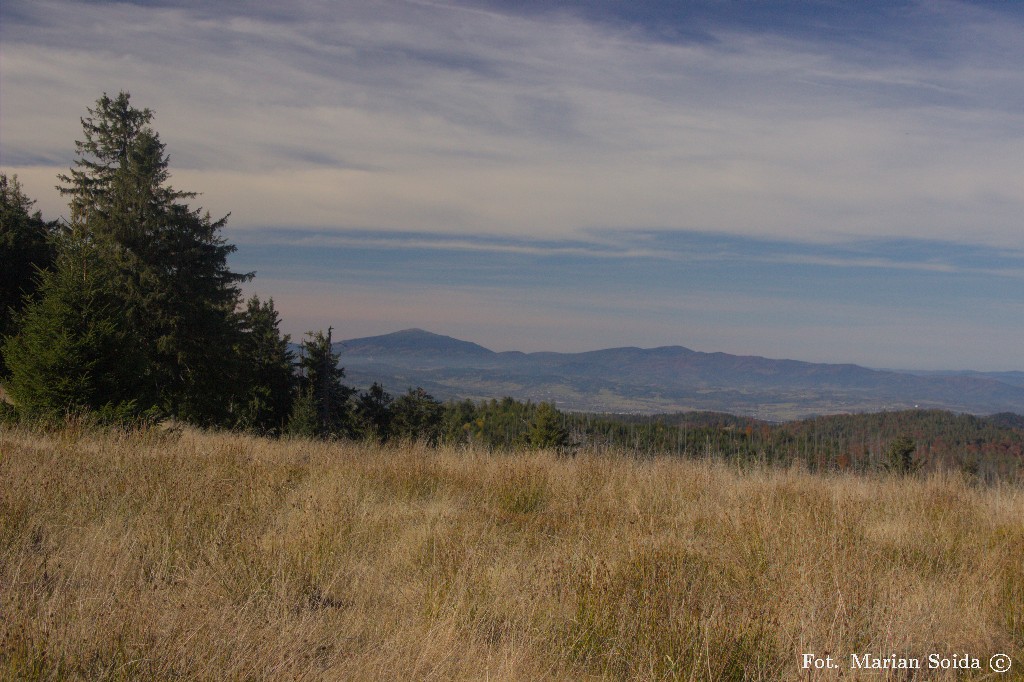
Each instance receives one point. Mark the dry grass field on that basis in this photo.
(224, 557)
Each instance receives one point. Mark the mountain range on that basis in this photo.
(665, 379)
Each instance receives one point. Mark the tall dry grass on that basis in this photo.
(195, 556)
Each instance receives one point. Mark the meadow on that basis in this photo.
(192, 555)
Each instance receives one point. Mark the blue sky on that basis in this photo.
(827, 181)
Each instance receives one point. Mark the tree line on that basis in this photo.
(905, 441)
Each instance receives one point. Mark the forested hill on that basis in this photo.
(666, 379)
(989, 446)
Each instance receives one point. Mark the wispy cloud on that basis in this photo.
(802, 187)
(448, 243)
(677, 247)
(434, 117)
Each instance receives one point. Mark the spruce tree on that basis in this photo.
(75, 351)
(177, 290)
(373, 413)
(899, 457)
(110, 131)
(547, 430)
(302, 420)
(268, 363)
(321, 391)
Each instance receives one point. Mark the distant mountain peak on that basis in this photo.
(412, 342)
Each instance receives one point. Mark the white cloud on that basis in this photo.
(420, 117)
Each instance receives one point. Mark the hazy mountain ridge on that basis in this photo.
(664, 379)
(1011, 378)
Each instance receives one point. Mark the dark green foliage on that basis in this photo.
(186, 305)
(987, 447)
(417, 416)
(25, 249)
(547, 430)
(899, 457)
(268, 370)
(459, 423)
(111, 133)
(303, 420)
(696, 435)
(163, 317)
(504, 424)
(75, 352)
(176, 288)
(508, 424)
(373, 412)
(321, 391)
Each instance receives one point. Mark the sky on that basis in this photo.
(817, 180)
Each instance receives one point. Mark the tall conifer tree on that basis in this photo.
(323, 407)
(177, 289)
(268, 364)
